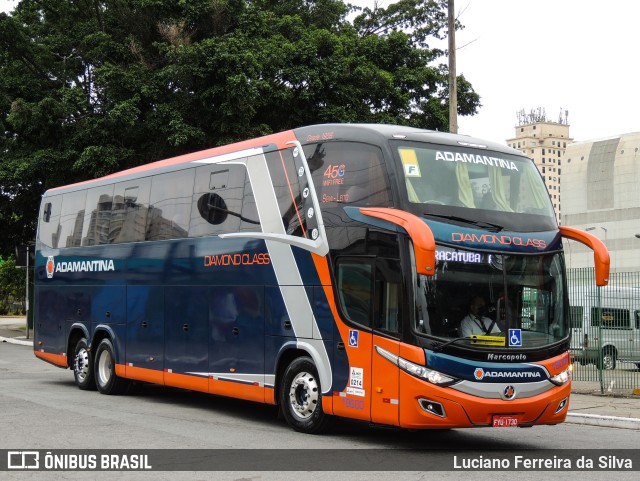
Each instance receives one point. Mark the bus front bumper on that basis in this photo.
(426, 406)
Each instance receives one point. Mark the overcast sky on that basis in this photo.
(575, 55)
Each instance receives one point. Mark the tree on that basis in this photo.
(11, 285)
(88, 87)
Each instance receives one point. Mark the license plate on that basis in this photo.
(505, 422)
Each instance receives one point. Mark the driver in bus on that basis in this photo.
(476, 323)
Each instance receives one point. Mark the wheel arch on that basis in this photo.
(105, 332)
(288, 353)
(76, 332)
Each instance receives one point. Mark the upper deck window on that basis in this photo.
(474, 179)
(348, 173)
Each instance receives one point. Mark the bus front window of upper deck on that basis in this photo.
(472, 179)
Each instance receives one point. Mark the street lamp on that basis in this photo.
(605, 236)
(605, 231)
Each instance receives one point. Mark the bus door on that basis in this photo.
(368, 295)
(385, 376)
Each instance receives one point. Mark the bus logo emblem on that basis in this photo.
(50, 267)
(509, 392)
(478, 373)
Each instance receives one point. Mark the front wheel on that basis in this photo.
(301, 397)
(83, 366)
(105, 370)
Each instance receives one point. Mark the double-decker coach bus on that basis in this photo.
(327, 269)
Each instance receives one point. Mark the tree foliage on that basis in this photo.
(12, 288)
(88, 87)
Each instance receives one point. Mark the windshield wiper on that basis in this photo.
(440, 347)
(477, 223)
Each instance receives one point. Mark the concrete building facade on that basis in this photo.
(545, 142)
(601, 194)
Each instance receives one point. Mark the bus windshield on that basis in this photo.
(497, 183)
(501, 292)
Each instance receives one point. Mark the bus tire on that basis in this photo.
(301, 397)
(106, 379)
(83, 366)
(609, 358)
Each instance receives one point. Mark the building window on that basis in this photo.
(543, 169)
(542, 151)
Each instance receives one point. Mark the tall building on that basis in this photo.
(600, 180)
(545, 142)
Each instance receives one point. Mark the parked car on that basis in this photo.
(613, 325)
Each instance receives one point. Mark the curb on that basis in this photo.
(11, 340)
(603, 421)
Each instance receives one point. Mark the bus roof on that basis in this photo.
(372, 133)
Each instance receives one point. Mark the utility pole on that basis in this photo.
(453, 87)
(26, 302)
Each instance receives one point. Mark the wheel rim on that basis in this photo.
(303, 395)
(81, 364)
(607, 361)
(105, 368)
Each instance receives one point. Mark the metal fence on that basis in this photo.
(605, 325)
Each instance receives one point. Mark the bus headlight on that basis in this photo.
(422, 372)
(561, 378)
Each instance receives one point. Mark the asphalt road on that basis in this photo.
(40, 408)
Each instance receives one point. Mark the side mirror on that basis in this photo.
(600, 252)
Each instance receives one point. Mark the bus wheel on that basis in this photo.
(301, 397)
(609, 359)
(105, 370)
(82, 366)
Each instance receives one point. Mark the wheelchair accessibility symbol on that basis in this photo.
(515, 338)
(353, 338)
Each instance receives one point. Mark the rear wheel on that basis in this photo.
(83, 366)
(301, 397)
(609, 359)
(105, 370)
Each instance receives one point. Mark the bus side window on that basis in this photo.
(97, 216)
(388, 295)
(170, 205)
(71, 219)
(49, 227)
(250, 222)
(129, 211)
(349, 173)
(217, 199)
(355, 290)
(287, 186)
